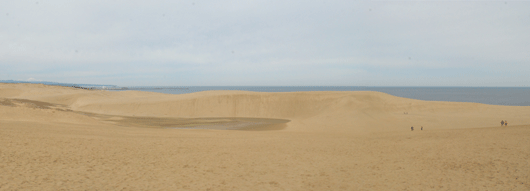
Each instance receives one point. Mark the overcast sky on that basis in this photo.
(261, 43)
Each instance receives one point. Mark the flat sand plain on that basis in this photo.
(60, 138)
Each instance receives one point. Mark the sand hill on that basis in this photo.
(57, 138)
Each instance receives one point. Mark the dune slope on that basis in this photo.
(308, 111)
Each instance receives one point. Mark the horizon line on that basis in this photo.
(88, 84)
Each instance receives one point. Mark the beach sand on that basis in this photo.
(60, 138)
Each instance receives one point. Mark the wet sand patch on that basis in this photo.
(249, 124)
(217, 123)
(202, 123)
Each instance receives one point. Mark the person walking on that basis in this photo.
(502, 123)
(412, 128)
(422, 128)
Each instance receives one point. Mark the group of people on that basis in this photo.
(503, 123)
(412, 128)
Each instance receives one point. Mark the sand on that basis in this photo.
(60, 138)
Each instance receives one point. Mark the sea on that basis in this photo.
(511, 96)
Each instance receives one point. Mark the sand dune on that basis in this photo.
(65, 138)
(317, 111)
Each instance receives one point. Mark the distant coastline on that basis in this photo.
(95, 86)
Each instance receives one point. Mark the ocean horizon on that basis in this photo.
(510, 96)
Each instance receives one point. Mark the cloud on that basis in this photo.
(265, 42)
(32, 79)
